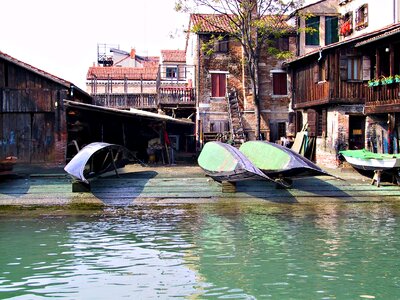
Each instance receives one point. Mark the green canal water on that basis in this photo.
(205, 251)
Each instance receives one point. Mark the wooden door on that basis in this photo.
(356, 132)
(42, 142)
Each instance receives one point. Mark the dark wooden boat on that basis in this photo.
(277, 161)
(96, 159)
(224, 162)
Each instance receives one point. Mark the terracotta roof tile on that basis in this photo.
(220, 23)
(173, 55)
(120, 73)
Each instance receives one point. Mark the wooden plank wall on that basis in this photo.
(31, 121)
(310, 92)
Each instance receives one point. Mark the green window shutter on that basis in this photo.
(331, 30)
(312, 38)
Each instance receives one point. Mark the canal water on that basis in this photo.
(205, 251)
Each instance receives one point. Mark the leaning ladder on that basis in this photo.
(235, 119)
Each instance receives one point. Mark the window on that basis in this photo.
(279, 83)
(354, 71)
(346, 24)
(218, 85)
(331, 30)
(221, 44)
(312, 37)
(171, 72)
(362, 17)
(282, 43)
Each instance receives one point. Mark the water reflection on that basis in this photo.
(206, 251)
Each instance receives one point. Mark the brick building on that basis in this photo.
(221, 72)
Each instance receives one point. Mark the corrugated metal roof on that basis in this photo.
(379, 37)
(132, 112)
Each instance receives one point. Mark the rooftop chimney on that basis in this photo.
(133, 53)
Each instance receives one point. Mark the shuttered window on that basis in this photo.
(354, 71)
(312, 36)
(279, 83)
(218, 85)
(331, 30)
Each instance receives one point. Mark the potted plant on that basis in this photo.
(373, 82)
(397, 78)
(389, 79)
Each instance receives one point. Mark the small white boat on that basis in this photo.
(366, 160)
(96, 159)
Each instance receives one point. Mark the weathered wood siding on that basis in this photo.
(32, 119)
(310, 90)
(383, 99)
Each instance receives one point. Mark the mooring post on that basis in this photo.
(377, 177)
(80, 186)
(228, 187)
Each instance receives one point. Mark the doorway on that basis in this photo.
(356, 132)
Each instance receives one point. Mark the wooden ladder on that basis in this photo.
(235, 119)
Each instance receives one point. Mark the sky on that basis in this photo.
(61, 36)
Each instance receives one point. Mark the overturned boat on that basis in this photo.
(366, 160)
(96, 159)
(277, 161)
(224, 162)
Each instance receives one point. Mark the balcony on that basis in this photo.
(126, 101)
(383, 99)
(175, 96)
(178, 96)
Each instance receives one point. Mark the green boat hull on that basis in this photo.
(224, 162)
(278, 161)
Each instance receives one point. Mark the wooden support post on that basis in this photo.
(80, 187)
(377, 177)
(228, 187)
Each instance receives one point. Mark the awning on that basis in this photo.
(128, 113)
(379, 37)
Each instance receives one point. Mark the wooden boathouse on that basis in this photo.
(32, 117)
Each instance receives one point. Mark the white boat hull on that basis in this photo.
(373, 164)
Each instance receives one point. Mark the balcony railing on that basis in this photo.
(176, 96)
(126, 101)
(380, 97)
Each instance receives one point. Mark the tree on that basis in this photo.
(255, 24)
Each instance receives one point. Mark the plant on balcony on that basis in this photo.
(389, 79)
(397, 78)
(373, 82)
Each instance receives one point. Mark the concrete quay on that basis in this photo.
(41, 186)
